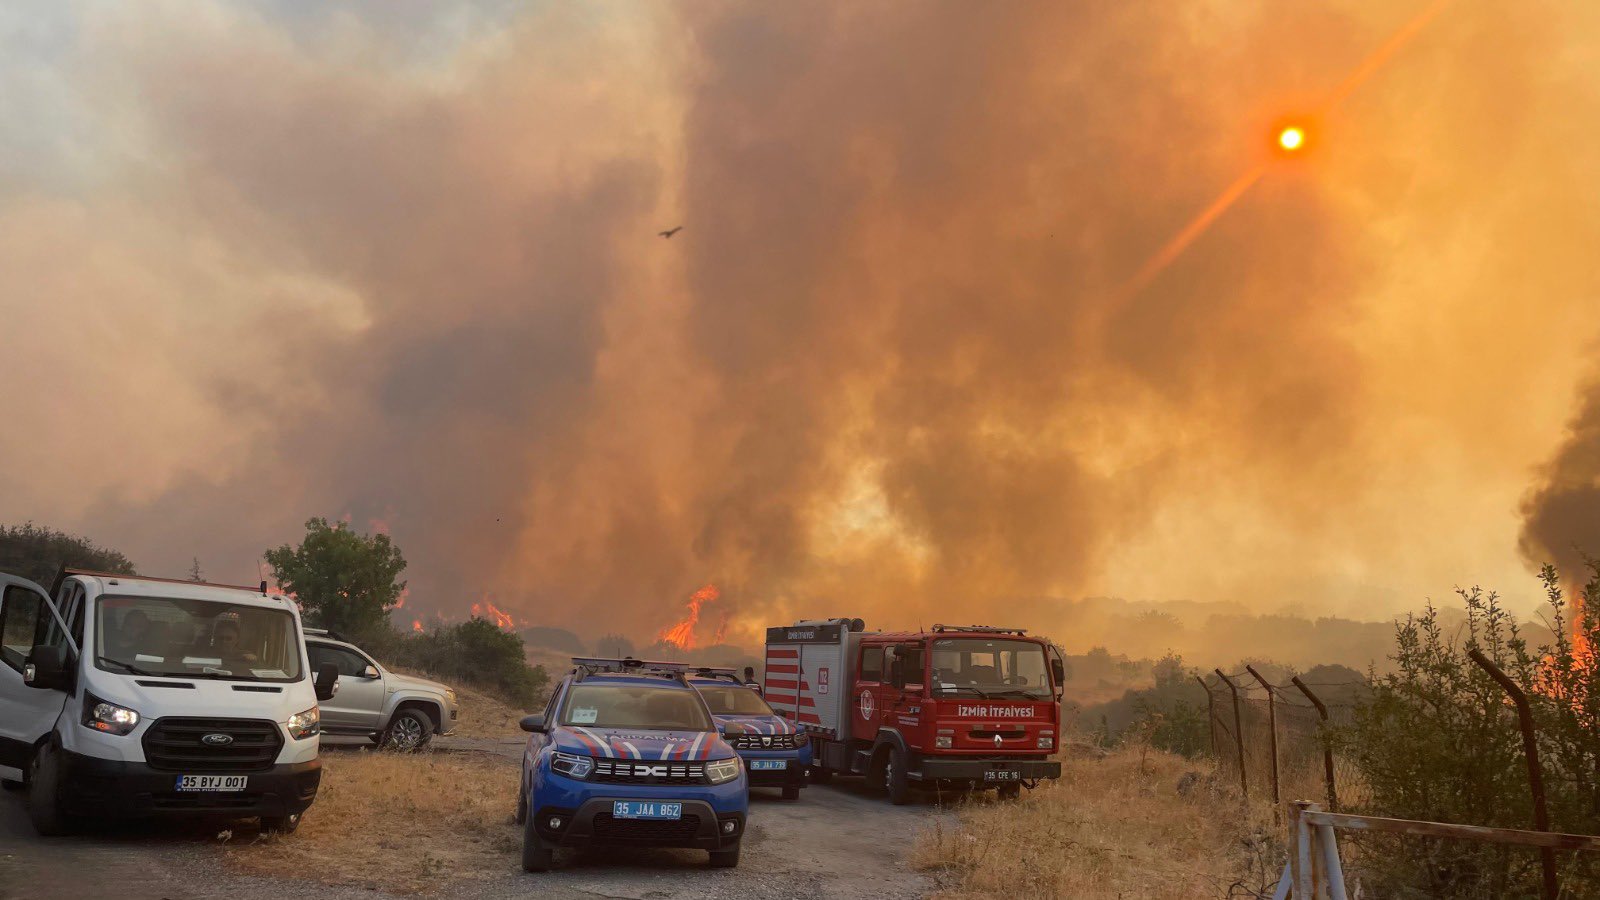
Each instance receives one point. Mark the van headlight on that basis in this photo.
(722, 770)
(108, 717)
(302, 725)
(571, 765)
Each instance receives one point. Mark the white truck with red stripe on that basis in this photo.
(967, 705)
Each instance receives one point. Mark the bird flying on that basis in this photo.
(670, 232)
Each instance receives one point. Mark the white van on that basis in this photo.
(130, 696)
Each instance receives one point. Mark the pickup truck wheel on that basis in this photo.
(725, 859)
(1009, 791)
(44, 794)
(537, 855)
(408, 731)
(280, 824)
(895, 782)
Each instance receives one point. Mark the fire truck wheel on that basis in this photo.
(895, 782)
(1010, 791)
(791, 793)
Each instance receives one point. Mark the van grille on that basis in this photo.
(176, 745)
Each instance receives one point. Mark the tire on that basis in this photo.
(875, 773)
(726, 859)
(791, 793)
(284, 825)
(44, 793)
(409, 731)
(537, 854)
(895, 782)
(821, 774)
(521, 817)
(1009, 791)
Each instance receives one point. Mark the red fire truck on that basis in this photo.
(960, 705)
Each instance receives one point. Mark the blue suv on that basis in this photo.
(627, 753)
(775, 752)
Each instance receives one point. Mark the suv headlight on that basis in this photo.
(304, 724)
(571, 765)
(723, 770)
(801, 739)
(108, 717)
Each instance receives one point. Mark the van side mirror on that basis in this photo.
(46, 668)
(327, 683)
(532, 724)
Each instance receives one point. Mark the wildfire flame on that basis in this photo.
(681, 635)
(722, 628)
(416, 625)
(487, 610)
(400, 602)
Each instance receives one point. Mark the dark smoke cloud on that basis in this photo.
(1561, 515)
(891, 366)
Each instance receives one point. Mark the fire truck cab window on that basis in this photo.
(990, 667)
(872, 664)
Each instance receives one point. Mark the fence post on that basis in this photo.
(1238, 732)
(1272, 727)
(1300, 865)
(1327, 751)
(1211, 716)
(1530, 749)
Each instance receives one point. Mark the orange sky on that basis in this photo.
(274, 261)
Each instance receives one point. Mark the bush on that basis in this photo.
(1437, 740)
(1171, 715)
(37, 553)
(476, 652)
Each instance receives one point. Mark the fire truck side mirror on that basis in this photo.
(897, 672)
(1058, 671)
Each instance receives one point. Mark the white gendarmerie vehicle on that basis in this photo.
(124, 696)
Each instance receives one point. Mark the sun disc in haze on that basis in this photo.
(1291, 138)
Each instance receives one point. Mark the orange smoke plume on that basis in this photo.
(681, 635)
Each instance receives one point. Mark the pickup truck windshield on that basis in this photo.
(626, 706)
(195, 639)
(732, 700)
(989, 667)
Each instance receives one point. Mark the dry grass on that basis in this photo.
(1111, 827)
(484, 716)
(405, 823)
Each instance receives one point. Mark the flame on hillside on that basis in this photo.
(681, 635)
(416, 625)
(487, 610)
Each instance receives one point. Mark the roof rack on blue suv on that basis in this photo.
(627, 753)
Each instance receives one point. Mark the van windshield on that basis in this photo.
(195, 639)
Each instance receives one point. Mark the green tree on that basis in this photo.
(476, 652)
(343, 581)
(37, 553)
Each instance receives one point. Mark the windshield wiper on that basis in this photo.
(1018, 692)
(132, 670)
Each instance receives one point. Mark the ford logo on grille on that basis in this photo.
(217, 740)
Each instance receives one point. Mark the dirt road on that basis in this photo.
(836, 841)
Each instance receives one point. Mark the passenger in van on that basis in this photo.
(129, 637)
(226, 644)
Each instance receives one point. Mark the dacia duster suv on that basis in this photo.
(775, 752)
(626, 753)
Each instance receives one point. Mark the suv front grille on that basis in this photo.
(176, 745)
(763, 741)
(642, 771)
(615, 830)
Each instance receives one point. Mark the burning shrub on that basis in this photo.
(1437, 740)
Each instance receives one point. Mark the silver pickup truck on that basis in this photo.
(396, 711)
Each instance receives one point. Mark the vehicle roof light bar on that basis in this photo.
(981, 629)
